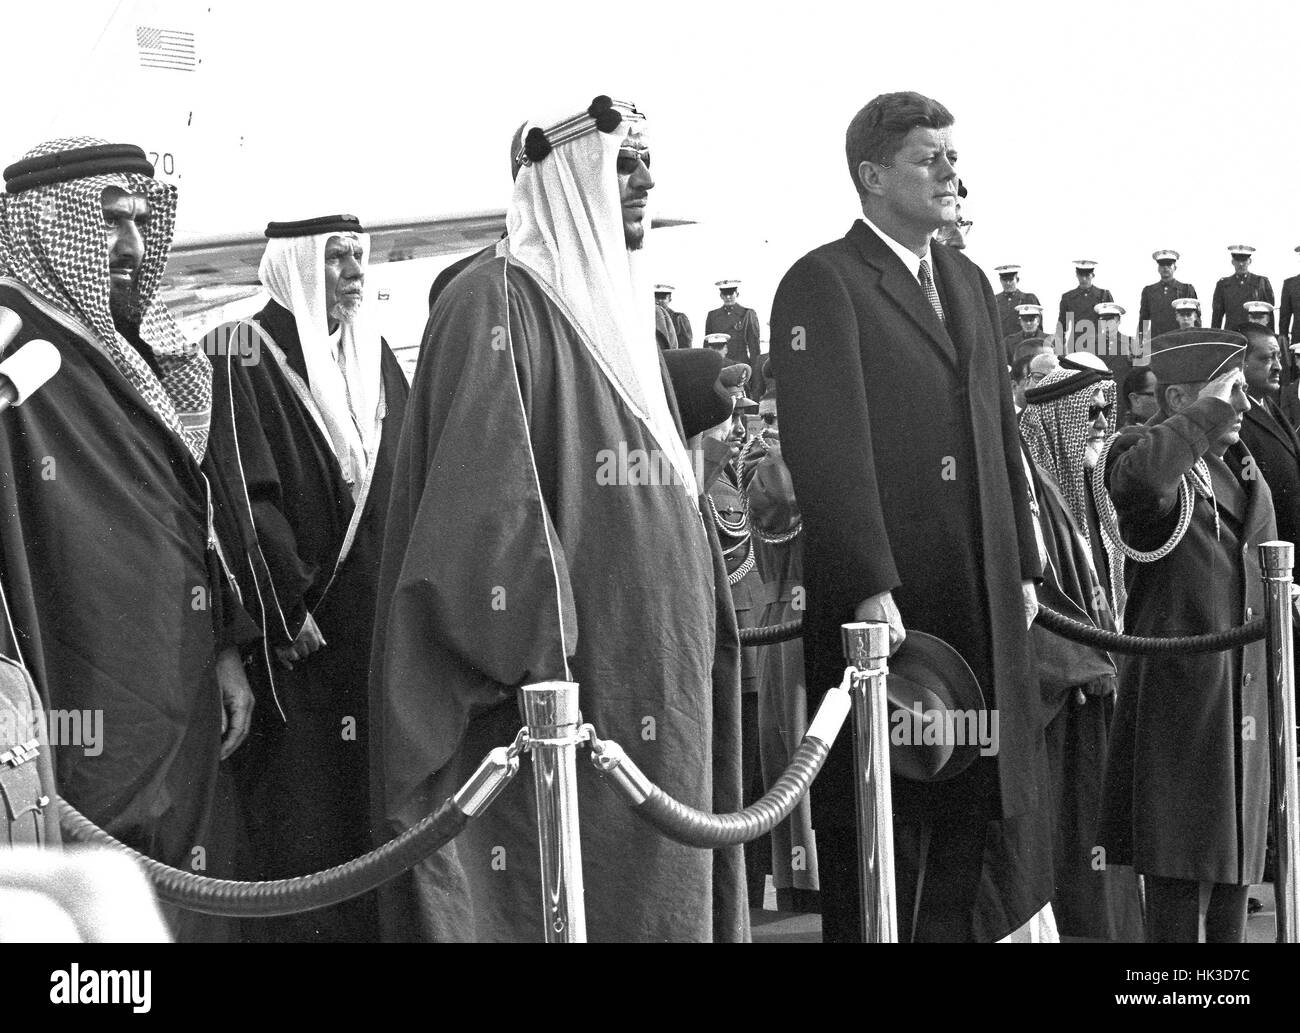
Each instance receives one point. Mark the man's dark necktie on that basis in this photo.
(927, 282)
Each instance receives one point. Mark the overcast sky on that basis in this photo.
(1101, 130)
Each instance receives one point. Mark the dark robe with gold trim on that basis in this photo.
(286, 510)
(119, 602)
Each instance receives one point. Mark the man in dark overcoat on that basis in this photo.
(1187, 778)
(918, 516)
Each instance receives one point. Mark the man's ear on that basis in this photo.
(869, 177)
(1176, 398)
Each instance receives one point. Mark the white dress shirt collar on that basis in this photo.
(910, 259)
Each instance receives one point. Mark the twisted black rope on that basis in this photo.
(1075, 631)
(693, 827)
(771, 634)
(281, 896)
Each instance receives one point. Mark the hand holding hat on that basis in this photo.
(882, 609)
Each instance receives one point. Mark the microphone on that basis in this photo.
(28, 368)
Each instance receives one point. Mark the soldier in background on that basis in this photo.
(1010, 298)
(729, 509)
(681, 324)
(741, 326)
(1115, 349)
(776, 524)
(1260, 313)
(1187, 313)
(1079, 306)
(1158, 298)
(1289, 314)
(665, 332)
(1232, 292)
(1031, 329)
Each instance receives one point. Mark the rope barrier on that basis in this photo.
(771, 634)
(282, 896)
(693, 827)
(1075, 631)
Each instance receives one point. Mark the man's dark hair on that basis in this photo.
(1254, 333)
(1134, 380)
(1020, 367)
(877, 131)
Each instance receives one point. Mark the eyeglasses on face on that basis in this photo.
(1100, 410)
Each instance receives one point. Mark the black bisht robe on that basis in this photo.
(287, 512)
(1091, 899)
(516, 553)
(118, 601)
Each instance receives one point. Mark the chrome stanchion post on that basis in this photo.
(866, 647)
(1276, 560)
(551, 710)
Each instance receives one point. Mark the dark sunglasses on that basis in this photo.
(627, 160)
(769, 418)
(1100, 410)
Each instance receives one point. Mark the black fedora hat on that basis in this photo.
(936, 711)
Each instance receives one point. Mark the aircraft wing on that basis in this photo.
(213, 278)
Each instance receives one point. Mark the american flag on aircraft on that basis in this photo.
(166, 48)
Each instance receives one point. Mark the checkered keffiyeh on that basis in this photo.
(1056, 434)
(52, 242)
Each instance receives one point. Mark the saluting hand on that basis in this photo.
(881, 609)
(1224, 385)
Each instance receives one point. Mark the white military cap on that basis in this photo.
(1109, 308)
(1257, 307)
(1085, 360)
(1024, 311)
(1011, 270)
(727, 285)
(1085, 265)
(1164, 256)
(664, 288)
(1186, 305)
(1241, 249)
(717, 338)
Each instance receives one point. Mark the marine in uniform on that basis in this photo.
(1289, 312)
(741, 326)
(1115, 349)
(1079, 306)
(1260, 313)
(1031, 329)
(1010, 298)
(1232, 292)
(1187, 313)
(1288, 331)
(680, 323)
(1157, 306)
